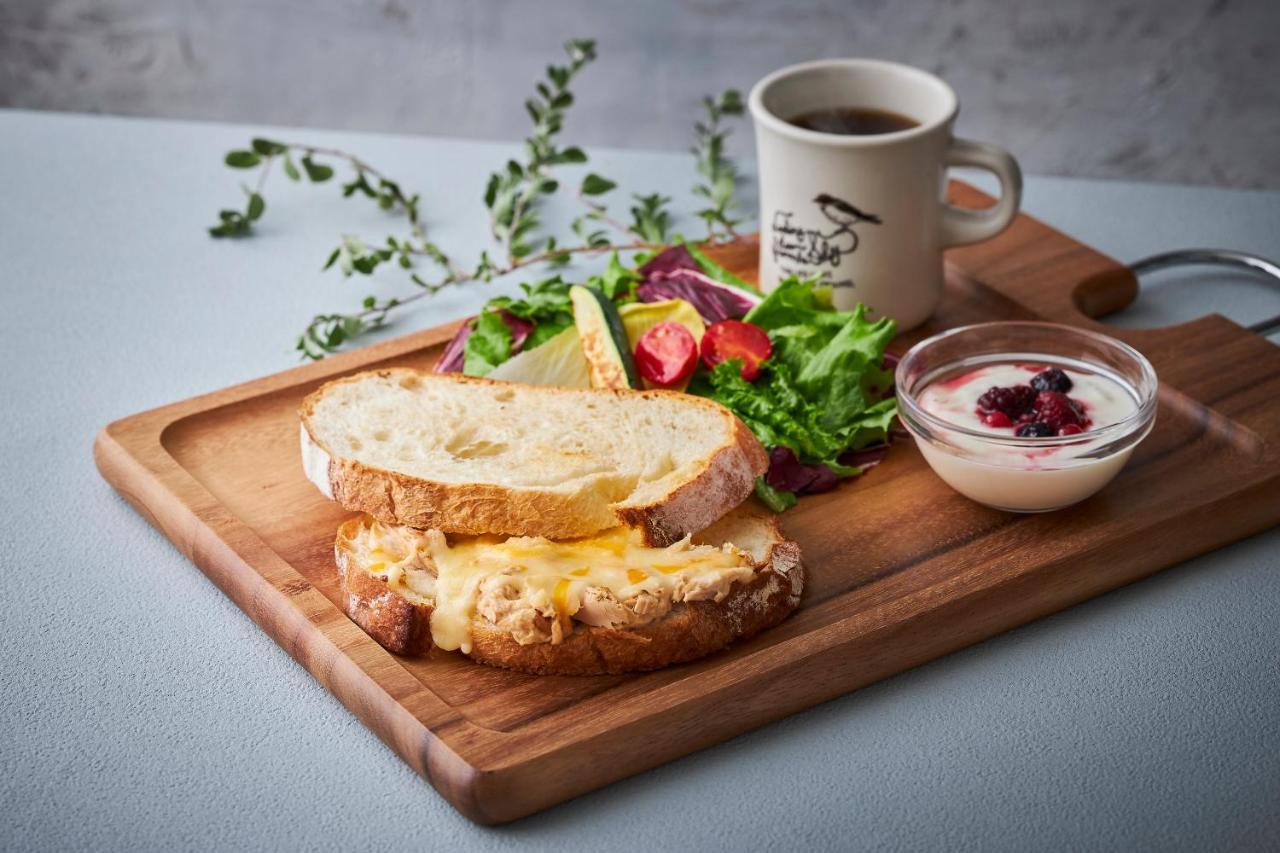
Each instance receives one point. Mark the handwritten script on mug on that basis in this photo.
(796, 248)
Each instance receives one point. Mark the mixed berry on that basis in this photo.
(1038, 410)
(1052, 379)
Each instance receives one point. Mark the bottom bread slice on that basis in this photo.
(394, 602)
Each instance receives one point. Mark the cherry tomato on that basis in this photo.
(735, 339)
(666, 354)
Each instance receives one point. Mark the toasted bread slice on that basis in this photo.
(611, 622)
(472, 456)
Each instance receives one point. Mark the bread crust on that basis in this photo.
(726, 478)
(691, 630)
(399, 625)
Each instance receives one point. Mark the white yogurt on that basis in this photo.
(1037, 477)
(1105, 401)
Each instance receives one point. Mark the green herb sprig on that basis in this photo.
(720, 175)
(513, 196)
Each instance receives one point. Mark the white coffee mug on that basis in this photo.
(868, 213)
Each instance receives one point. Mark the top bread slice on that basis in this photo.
(471, 456)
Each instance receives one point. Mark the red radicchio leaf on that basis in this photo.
(451, 360)
(670, 260)
(712, 300)
(867, 457)
(789, 474)
(520, 328)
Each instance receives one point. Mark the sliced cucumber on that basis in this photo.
(604, 339)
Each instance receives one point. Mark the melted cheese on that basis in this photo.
(548, 576)
(394, 555)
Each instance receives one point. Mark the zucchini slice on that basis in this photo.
(604, 339)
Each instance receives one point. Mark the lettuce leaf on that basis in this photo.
(616, 282)
(825, 390)
(481, 345)
(545, 301)
(775, 499)
(488, 346)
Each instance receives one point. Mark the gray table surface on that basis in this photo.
(142, 710)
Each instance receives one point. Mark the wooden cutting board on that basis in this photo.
(901, 569)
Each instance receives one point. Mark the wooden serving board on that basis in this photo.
(901, 568)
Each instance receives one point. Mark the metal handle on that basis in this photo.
(1221, 258)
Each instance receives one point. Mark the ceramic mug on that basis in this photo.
(867, 213)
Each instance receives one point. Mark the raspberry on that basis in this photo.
(1070, 429)
(1052, 379)
(1056, 409)
(1035, 430)
(997, 419)
(1013, 401)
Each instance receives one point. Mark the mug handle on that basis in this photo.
(961, 226)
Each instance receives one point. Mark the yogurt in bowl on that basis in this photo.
(1026, 417)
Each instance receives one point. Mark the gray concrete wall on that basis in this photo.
(1183, 90)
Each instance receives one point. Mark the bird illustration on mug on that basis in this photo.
(813, 246)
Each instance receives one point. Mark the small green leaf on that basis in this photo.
(776, 499)
(242, 159)
(488, 346)
(572, 154)
(290, 169)
(352, 327)
(317, 172)
(256, 207)
(593, 184)
(731, 102)
(267, 147)
(616, 280)
(581, 50)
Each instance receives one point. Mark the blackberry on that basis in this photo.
(1052, 379)
(1039, 429)
(1013, 400)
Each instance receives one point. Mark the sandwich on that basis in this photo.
(546, 530)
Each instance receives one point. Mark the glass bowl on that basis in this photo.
(1005, 471)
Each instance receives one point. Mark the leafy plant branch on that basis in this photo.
(720, 175)
(513, 196)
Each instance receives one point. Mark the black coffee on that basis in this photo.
(853, 121)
